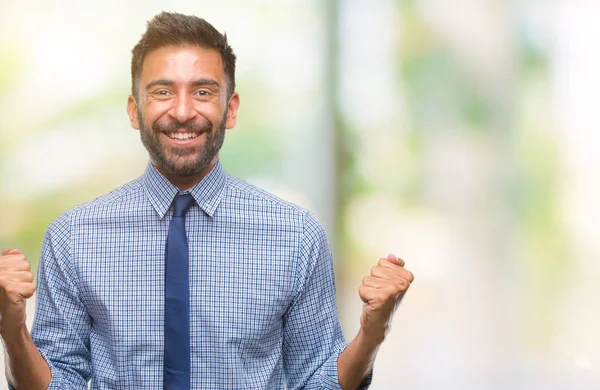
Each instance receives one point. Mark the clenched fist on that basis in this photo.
(16, 285)
(381, 293)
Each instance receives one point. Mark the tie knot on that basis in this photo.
(182, 204)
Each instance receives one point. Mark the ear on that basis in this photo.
(232, 108)
(132, 111)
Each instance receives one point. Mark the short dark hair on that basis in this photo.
(169, 28)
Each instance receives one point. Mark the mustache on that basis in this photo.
(188, 126)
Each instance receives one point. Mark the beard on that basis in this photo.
(183, 161)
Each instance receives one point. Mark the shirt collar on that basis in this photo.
(207, 193)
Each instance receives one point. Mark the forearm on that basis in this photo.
(355, 363)
(25, 366)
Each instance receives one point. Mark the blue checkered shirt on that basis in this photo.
(262, 294)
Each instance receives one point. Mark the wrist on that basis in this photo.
(15, 336)
(371, 338)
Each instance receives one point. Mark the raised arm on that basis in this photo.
(56, 354)
(25, 366)
(313, 338)
(381, 293)
(62, 325)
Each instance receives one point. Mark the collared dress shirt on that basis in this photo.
(262, 294)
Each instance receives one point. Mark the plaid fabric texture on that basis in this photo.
(262, 295)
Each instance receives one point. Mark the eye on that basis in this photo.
(160, 93)
(202, 92)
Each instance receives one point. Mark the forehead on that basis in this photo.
(182, 64)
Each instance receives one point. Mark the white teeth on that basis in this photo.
(182, 135)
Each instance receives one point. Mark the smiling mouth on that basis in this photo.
(183, 136)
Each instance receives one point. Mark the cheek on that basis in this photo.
(158, 112)
(210, 111)
(150, 117)
(157, 108)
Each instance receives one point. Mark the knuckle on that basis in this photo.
(401, 290)
(373, 270)
(8, 289)
(381, 262)
(30, 291)
(399, 287)
(393, 291)
(403, 284)
(362, 290)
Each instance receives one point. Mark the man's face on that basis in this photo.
(182, 110)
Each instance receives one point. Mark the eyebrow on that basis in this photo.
(170, 83)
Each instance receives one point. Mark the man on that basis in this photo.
(187, 277)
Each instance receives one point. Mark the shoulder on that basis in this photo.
(256, 200)
(112, 200)
(131, 191)
(248, 195)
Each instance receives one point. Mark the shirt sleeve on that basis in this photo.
(61, 326)
(313, 338)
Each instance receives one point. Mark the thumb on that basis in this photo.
(8, 251)
(396, 260)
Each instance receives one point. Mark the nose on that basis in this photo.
(183, 108)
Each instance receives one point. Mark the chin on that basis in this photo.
(186, 170)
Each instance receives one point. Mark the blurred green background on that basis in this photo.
(457, 134)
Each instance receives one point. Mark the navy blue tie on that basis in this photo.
(177, 300)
